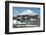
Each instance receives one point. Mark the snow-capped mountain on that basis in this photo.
(27, 12)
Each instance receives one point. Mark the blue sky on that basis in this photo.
(17, 10)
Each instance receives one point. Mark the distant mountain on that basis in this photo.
(27, 12)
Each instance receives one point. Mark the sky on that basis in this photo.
(17, 10)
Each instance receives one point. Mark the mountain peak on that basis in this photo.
(27, 12)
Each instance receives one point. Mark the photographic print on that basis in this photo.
(24, 17)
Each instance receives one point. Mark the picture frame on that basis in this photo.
(24, 17)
